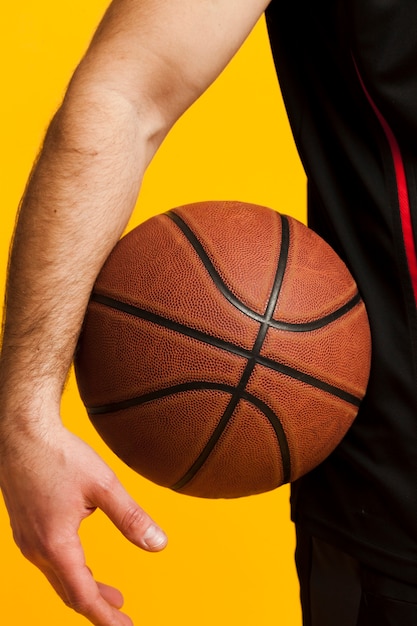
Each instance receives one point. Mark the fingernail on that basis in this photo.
(154, 538)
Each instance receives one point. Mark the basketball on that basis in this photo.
(225, 350)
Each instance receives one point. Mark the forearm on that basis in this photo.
(77, 203)
(147, 63)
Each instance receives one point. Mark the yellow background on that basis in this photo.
(228, 562)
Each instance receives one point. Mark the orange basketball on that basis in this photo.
(225, 350)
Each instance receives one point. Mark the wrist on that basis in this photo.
(27, 404)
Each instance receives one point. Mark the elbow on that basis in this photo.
(96, 117)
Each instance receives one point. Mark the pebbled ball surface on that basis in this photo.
(225, 350)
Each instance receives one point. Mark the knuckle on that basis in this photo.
(134, 520)
(107, 483)
(81, 600)
(80, 605)
(89, 607)
(109, 479)
(27, 549)
(37, 551)
(47, 551)
(50, 549)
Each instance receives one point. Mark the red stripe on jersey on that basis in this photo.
(402, 191)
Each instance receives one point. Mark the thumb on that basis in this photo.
(132, 521)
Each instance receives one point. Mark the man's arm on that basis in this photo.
(148, 61)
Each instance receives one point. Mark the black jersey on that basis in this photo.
(348, 73)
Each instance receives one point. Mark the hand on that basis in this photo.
(51, 483)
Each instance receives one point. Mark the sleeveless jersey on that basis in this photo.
(348, 74)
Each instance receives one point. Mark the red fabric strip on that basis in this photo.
(402, 190)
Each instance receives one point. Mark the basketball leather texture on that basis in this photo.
(225, 350)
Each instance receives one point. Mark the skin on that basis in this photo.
(148, 61)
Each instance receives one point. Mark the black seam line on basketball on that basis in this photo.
(222, 287)
(240, 389)
(165, 322)
(320, 322)
(272, 302)
(312, 381)
(214, 275)
(223, 345)
(203, 386)
(279, 432)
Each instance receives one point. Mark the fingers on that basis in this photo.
(46, 508)
(111, 595)
(74, 583)
(135, 524)
(95, 601)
